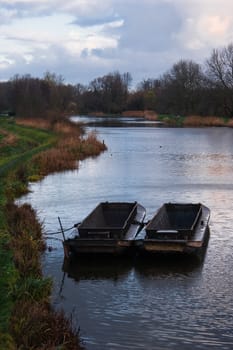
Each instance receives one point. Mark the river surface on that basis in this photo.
(155, 304)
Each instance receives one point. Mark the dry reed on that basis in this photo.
(151, 115)
(71, 146)
(230, 123)
(42, 328)
(69, 149)
(35, 123)
(34, 324)
(198, 121)
(26, 238)
(139, 114)
(8, 138)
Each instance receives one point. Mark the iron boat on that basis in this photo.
(109, 229)
(176, 228)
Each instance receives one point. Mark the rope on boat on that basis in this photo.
(60, 231)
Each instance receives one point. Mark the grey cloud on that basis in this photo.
(20, 9)
(94, 20)
(150, 27)
(148, 39)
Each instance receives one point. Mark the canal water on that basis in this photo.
(161, 304)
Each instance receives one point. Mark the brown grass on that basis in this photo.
(151, 115)
(147, 114)
(203, 121)
(230, 123)
(42, 328)
(67, 127)
(35, 123)
(97, 114)
(34, 324)
(70, 148)
(8, 138)
(132, 113)
(26, 238)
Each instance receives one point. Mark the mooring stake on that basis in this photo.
(62, 231)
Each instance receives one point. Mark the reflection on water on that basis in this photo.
(96, 268)
(160, 304)
(97, 122)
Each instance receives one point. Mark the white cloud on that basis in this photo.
(206, 24)
(90, 37)
(82, 9)
(5, 62)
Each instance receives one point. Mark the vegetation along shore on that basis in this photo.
(31, 149)
(173, 120)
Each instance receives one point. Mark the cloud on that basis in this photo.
(205, 25)
(85, 12)
(87, 38)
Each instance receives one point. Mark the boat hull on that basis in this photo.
(94, 244)
(193, 244)
(80, 246)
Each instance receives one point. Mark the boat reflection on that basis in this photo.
(94, 268)
(162, 266)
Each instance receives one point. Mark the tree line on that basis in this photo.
(187, 88)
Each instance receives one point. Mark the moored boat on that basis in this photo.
(176, 228)
(109, 229)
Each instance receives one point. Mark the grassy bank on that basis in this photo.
(30, 150)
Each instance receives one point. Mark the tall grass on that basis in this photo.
(40, 327)
(35, 123)
(34, 324)
(230, 123)
(24, 293)
(198, 121)
(151, 115)
(7, 138)
(70, 148)
(26, 238)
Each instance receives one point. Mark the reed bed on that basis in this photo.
(197, 121)
(26, 238)
(35, 123)
(42, 328)
(34, 324)
(57, 124)
(70, 148)
(151, 115)
(230, 123)
(133, 113)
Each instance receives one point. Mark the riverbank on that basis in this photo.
(31, 149)
(174, 120)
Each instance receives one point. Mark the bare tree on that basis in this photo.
(220, 67)
(220, 75)
(182, 86)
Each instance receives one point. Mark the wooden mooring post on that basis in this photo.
(62, 231)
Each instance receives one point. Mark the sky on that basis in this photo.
(85, 39)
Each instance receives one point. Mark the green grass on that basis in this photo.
(26, 319)
(171, 119)
(27, 142)
(8, 278)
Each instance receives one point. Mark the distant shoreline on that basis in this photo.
(171, 119)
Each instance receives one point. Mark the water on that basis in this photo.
(153, 305)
